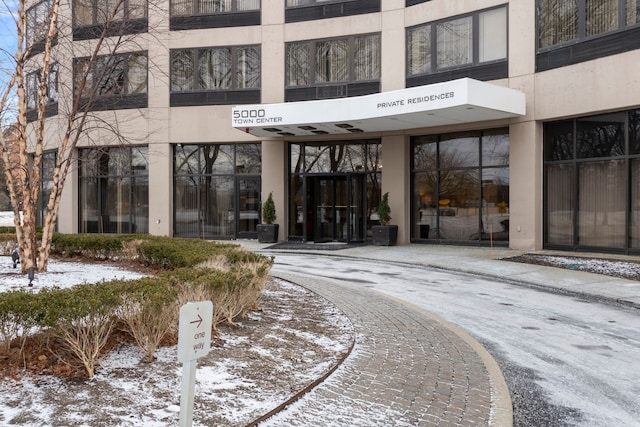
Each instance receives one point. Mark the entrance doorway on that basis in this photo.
(248, 197)
(336, 208)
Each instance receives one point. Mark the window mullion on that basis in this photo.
(582, 19)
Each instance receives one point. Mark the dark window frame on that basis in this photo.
(32, 83)
(195, 20)
(232, 95)
(625, 37)
(325, 10)
(335, 88)
(37, 44)
(480, 70)
(97, 102)
(561, 147)
(126, 25)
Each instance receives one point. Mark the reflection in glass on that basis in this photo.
(635, 204)
(601, 136)
(455, 197)
(601, 204)
(209, 181)
(459, 150)
(560, 190)
(114, 190)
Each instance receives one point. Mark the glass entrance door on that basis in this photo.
(248, 193)
(338, 209)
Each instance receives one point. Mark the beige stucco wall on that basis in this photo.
(591, 87)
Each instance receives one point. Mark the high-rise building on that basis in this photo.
(488, 122)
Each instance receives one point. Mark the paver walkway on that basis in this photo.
(408, 368)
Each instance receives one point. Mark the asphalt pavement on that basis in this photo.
(410, 367)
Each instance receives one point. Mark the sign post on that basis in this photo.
(194, 341)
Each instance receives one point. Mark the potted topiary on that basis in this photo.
(384, 234)
(268, 231)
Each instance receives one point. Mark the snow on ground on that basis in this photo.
(252, 368)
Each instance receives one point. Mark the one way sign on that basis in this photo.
(194, 330)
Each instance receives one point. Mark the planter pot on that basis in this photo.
(384, 235)
(267, 233)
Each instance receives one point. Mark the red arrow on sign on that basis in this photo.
(199, 321)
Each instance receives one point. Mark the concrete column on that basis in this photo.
(395, 180)
(525, 186)
(160, 202)
(274, 180)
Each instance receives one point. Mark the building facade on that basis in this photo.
(488, 122)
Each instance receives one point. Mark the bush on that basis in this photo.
(269, 210)
(84, 317)
(384, 211)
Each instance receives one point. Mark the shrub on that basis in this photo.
(269, 210)
(84, 317)
(384, 211)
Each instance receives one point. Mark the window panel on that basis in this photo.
(332, 61)
(495, 148)
(601, 204)
(214, 69)
(245, 5)
(634, 217)
(116, 75)
(633, 12)
(248, 68)
(113, 71)
(298, 65)
(601, 136)
(182, 71)
(602, 16)
(459, 150)
(454, 43)
(557, 21)
(419, 50)
(493, 35)
(182, 7)
(367, 58)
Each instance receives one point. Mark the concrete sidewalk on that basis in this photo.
(489, 262)
(410, 367)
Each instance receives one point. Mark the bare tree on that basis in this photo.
(44, 47)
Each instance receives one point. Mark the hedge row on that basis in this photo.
(85, 316)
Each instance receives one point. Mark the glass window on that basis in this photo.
(591, 191)
(558, 141)
(492, 30)
(601, 136)
(212, 7)
(214, 69)
(454, 43)
(457, 42)
(118, 75)
(367, 58)
(633, 12)
(114, 190)
(601, 16)
(560, 202)
(205, 186)
(37, 21)
(459, 150)
(602, 204)
(99, 12)
(574, 20)
(557, 21)
(456, 197)
(219, 68)
(182, 71)
(51, 91)
(356, 58)
(298, 64)
(332, 61)
(419, 50)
